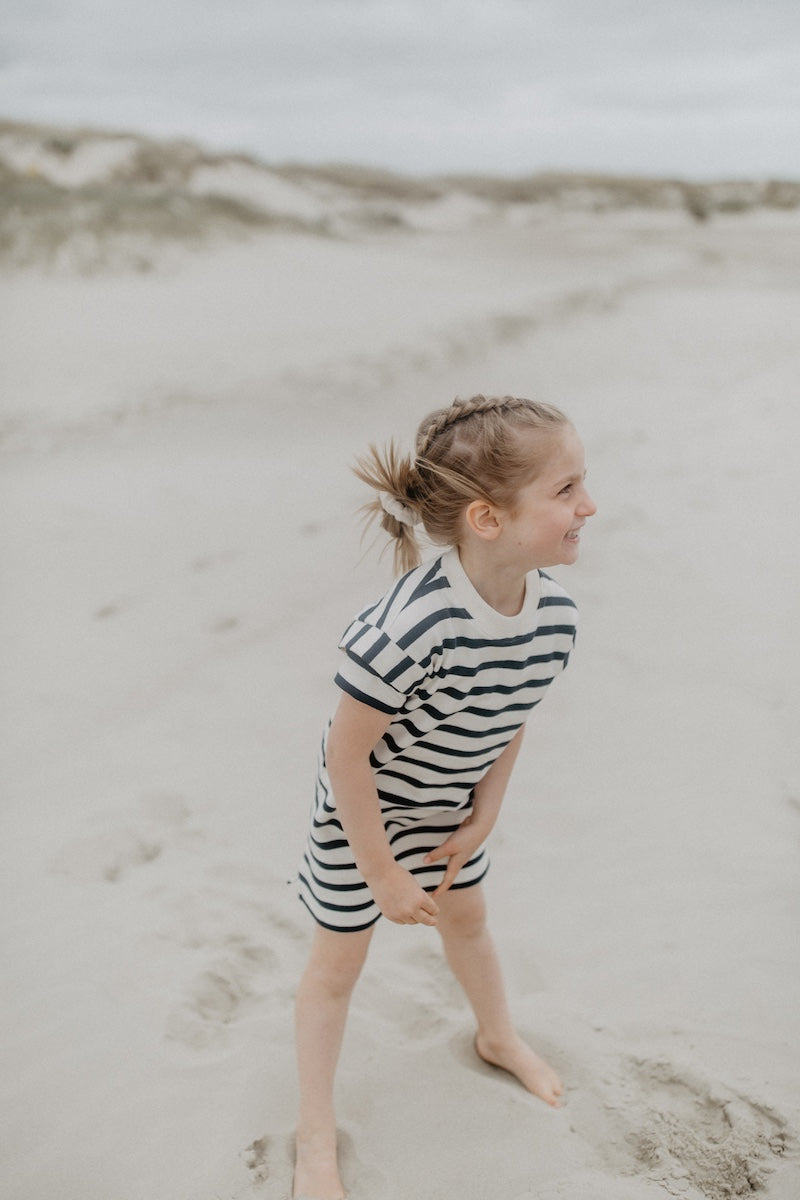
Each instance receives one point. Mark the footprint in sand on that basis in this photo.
(270, 1161)
(117, 841)
(391, 988)
(112, 609)
(256, 1159)
(241, 948)
(226, 624)
(206, 562)
(232, 987)
(696, 1139)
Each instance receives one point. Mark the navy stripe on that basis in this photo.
(491, 731)
(337, 926)
(390, 801)
(503, 664)
(390, 601)
(429, 710)
(358, 886)
(507, 708)
(424, 785)
(553, 601)
(497, 689)
(433, 581)
(444, 749)
(474, 643)
(329, 843)
(442, 774)
(469, 643)
(442, 833)
(399, 670)
(353, 691)
(412, 635)
(360, 632)
(379, 644)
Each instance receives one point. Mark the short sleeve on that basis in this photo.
(376, 670)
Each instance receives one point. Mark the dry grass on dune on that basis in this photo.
(88, 199)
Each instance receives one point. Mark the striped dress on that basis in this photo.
(458, 679)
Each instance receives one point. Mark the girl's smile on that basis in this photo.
(544, 527)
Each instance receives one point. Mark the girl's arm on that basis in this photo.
(355, 730)
(488, 795)
(487, 799)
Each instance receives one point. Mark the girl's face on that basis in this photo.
(543, 529)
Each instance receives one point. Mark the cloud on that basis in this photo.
(425, 84)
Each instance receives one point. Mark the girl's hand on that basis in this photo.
(458, 849)
(401, 899)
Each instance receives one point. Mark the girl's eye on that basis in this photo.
(565, 491)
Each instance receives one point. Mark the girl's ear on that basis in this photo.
(482, 519)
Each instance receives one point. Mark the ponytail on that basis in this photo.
(392, 476)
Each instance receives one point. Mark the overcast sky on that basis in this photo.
(694, 87)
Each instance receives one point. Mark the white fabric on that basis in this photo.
(397, 509)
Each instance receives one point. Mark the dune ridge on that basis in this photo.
(91, 199)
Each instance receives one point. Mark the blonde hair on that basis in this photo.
(469, 451)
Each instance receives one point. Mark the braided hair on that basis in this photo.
(468, 451)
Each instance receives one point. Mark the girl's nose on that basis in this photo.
(587, 506)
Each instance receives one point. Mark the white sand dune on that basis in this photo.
(181, 551)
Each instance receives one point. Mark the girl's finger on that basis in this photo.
(449, 876)
(440, 852)
(428, 911)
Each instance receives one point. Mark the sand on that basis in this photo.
(181, 551)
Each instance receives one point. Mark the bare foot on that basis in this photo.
(519, 1060)
(316, 1171)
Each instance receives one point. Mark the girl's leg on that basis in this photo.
(472, 956)
(323, 999)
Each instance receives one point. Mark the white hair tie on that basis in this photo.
(395, 508)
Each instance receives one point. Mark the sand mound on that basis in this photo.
(89, 200)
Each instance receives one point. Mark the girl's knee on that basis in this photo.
(337, 958)
(462, 913)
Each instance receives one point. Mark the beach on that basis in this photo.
(182, 551)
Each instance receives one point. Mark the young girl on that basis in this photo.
(437, 679)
